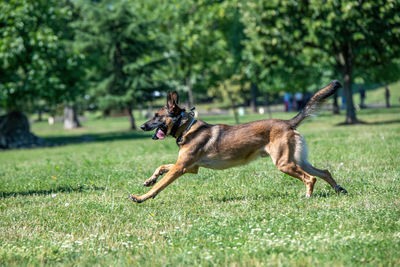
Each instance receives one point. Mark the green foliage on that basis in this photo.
(367, 31)
(68, 205)
(273, 45)
(36, 58)
(120, 52)
(124, 48)
(383, 74)
(227, 71)
(196, 43)
(231, 91)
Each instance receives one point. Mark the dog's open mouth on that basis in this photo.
(160, 133)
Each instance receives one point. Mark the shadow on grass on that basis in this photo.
(251, 197)
(100, 137)
(369, 123)
(323, 194)
(383, 122)
(268, 197)
(62, 189)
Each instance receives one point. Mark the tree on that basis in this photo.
(124, 48)
(195, 43)
(273, 46)
(289, 41)
(232, 90)
(355, 35)
(36, 63)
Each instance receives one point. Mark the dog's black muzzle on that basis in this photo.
(145, 127)
(149, 126)
(154, 125)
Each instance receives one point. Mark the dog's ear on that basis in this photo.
(172, 100)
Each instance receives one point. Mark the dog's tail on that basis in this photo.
(315, 103)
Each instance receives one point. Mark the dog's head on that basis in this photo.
(164, 119)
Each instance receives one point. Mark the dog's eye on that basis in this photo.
(155, 115)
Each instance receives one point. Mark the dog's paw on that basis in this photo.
(340, 189)
(149, 182)
(135, 198)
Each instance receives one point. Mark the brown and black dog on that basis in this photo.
(221, 146)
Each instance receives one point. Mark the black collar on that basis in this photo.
(179, 139)
(177, 122)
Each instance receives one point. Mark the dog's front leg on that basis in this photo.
(158, 172)
(176, 171)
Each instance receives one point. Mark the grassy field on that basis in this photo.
(67, 205)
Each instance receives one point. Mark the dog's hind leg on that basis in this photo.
(295, 171)
(287, 154)
(325, 175)
(300, 155)
(158, 172)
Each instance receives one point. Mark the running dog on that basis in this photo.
(221, 146)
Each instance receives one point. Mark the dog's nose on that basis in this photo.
(143, 127)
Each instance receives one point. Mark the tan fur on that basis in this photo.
(221, 146)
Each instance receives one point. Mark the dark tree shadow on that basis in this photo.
(379, 110)
(369, 123)
(251, 197)
(358, 122)
(99, 137)
(383, 122)
(63, 140)
(268, 197)
(62, 189)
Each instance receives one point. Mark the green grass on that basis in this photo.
(67, 205)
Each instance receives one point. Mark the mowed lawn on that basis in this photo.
(67, 205)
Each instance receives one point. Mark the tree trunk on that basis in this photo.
(387, 96)
(71, 120)
(348, 94)
(233, 106)
(253, 100)
(40, 117)
(15, 132)
(347, 67)
(131, 118)
(335, 109)
(106, 112)
(190, 92)
(266, 103)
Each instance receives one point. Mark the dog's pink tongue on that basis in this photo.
(160, 134)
